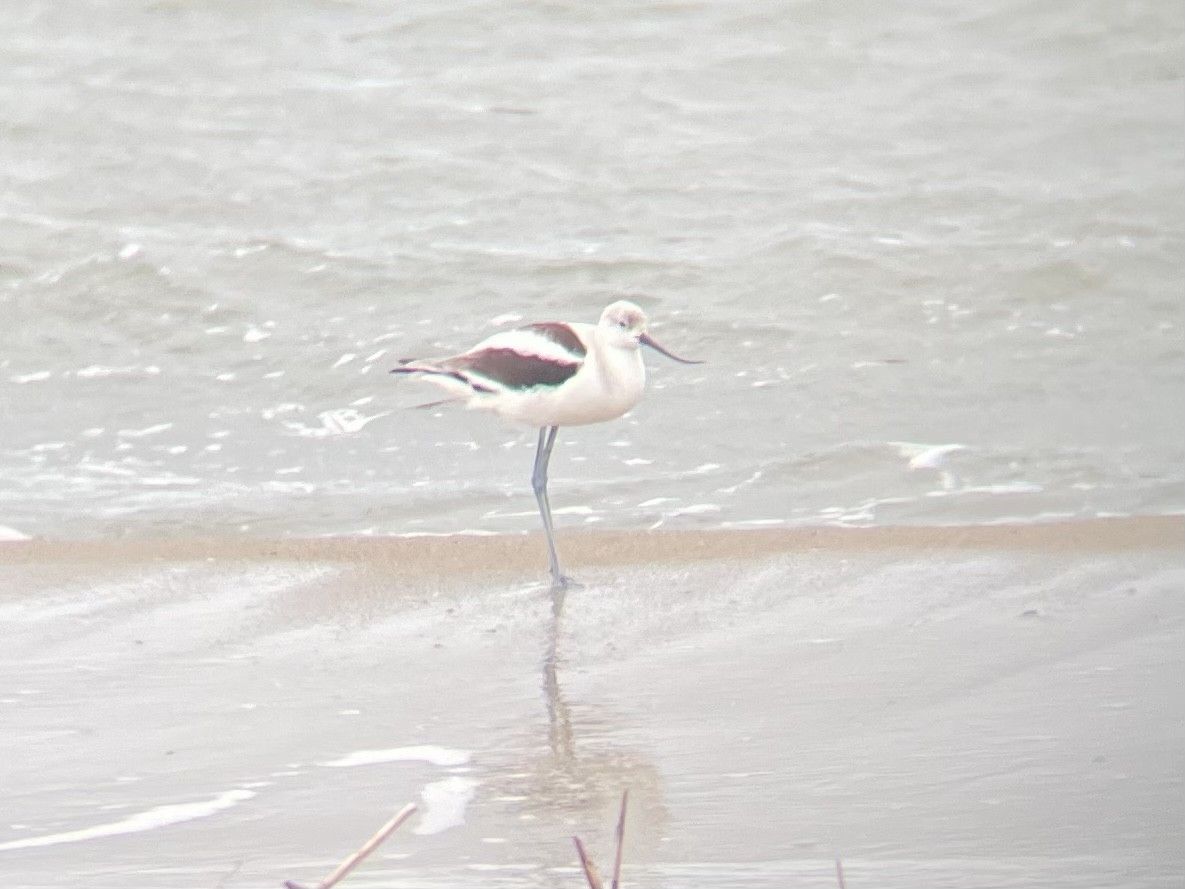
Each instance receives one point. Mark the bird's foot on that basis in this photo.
(562, 583)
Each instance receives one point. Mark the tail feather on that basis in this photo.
(411, 366)
(431, 404)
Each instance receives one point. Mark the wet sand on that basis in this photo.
(986, 706)
(458, 554)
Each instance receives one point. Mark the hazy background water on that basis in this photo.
(884, 227)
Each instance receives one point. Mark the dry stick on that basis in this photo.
(369, 846)
(839, 874)
(625, 798)
(590, 871)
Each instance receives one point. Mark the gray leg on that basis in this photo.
(539, 483)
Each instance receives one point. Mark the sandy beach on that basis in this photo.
(980, 706)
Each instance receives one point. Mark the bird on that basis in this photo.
(547, 375)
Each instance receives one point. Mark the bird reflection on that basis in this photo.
(567, 777)
(585, 768)
(559, 714)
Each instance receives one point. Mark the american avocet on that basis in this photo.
(550, 375)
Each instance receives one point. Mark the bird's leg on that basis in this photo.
(547, 436)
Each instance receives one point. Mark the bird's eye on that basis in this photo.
(623, 324)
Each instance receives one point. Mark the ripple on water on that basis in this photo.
(142, 822)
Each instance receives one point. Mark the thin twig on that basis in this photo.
(839, 874)
(625, 798)
(590, 871)
(369, 846)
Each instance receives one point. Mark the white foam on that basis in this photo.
(334, 422)
(146, 431)
(160, 816)
(464, 532)
(925, 456)
(445, 803)
(169, 481)
(106, 468)
(696, 509)
(655, 501)
(732, 489)
(1020, 487)
(573, 510)
(932, 458)
(430, 753)
(105, 370)
(35, 377)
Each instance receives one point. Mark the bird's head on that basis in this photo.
(624, 325)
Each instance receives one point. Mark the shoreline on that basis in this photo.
(456, 554)
(974, 690)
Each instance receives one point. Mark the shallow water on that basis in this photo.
(959, 713)
(885, 230)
